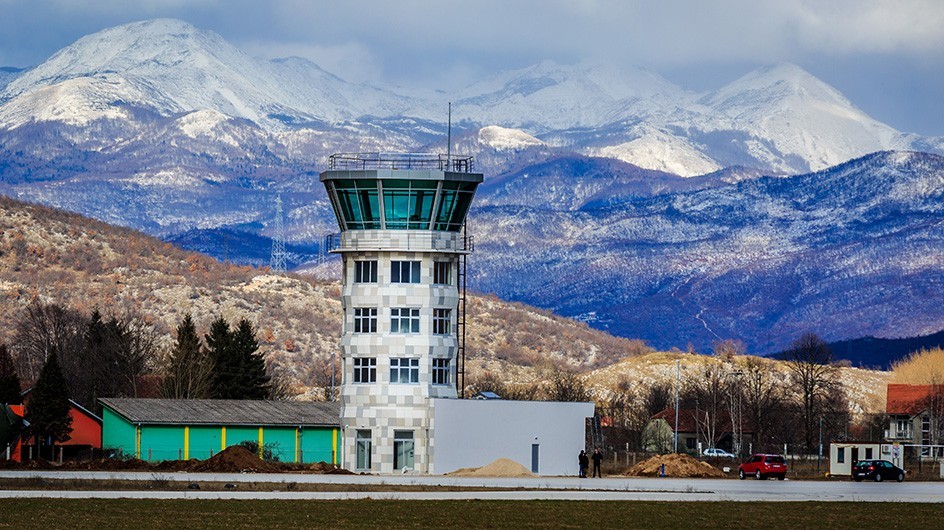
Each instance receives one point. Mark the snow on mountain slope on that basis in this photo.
(550, 96)
(502, 139)
(74, 101)
(657, 150)
(180, 68)
(800, 115)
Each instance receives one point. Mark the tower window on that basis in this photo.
(365, 271)
(442, 321)
(441, 371)
(404, 370)
(365, 370)
(442, 272)
(405, 271)
(365, 320)
(404, 320)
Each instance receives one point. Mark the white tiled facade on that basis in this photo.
(384, 407)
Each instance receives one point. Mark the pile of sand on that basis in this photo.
(676, 465)
(499, 468)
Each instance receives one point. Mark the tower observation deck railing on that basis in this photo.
(440, 162)
(416, 241)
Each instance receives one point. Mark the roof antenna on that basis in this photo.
(449, 138)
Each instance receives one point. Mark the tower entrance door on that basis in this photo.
(402, 450)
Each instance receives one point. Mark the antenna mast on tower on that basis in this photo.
(277, 262)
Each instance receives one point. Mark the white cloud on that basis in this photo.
(352, 62)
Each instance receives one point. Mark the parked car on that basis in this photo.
(763, 466)
(877, 470)
(714, 452)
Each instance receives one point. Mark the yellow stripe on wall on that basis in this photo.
(223, 439)
(186, 443)
(261, 441)
(298, 436)
(334, 446)
(137, 442)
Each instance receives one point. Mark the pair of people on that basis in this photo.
(584, 461)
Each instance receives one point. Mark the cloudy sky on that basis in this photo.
(887, 56)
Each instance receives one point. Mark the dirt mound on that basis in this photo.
(676, 465)
(502, 467)
(325, 468)
(235, 459)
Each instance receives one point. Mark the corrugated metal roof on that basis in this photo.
(225, 411)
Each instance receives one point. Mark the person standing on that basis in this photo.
(597, 459)
(584, 462)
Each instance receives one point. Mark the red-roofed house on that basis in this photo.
(916, 413)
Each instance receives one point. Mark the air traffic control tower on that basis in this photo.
(403, 246)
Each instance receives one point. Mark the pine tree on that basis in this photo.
(190, 371)
(253, 383)
(48, 409)
(9, 380)
(219, 350)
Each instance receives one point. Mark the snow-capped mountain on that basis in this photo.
(171, 67)
(801, 116)
(611, 194)
(779, 118)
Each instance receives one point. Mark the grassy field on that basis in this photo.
(137, 514)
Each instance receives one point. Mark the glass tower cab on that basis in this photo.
(403, 253)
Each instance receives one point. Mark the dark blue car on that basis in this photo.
(877, 470)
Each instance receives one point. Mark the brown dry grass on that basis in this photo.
(924, 367)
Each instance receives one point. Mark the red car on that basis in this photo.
(764, 466)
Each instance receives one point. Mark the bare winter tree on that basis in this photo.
(762, 396)
(325, 374)
(711, 391)
(568, 386)
(814, 377)
(43, 328)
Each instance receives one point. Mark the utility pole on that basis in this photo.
(820, 456)
(678, 381)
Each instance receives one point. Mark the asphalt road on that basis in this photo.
(559, 488)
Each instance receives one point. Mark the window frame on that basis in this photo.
(365, 366)
(442, 321)
(360, 319)
(371, 267)
(405, 368)
(411, 318)
(441, 369)
(442, 269)
(412, 269)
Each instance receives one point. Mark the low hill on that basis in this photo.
(51, 256)
(865, 389)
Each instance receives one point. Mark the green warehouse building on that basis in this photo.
(181, 429)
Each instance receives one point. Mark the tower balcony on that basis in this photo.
(401, 240)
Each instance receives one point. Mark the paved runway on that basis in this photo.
(560, 488)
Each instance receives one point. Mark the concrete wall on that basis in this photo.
(472, 433)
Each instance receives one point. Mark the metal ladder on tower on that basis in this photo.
(460, 317)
